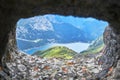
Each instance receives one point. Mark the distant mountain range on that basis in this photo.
(40, 30)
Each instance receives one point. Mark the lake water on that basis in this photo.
(77, 47)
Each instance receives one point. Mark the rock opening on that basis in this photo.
(107, 10)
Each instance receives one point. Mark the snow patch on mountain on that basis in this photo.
(42, 24)
(35, 41)
(36, 23)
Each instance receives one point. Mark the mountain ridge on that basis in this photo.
(57, 52)
(95, 47)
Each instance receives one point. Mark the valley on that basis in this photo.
(77, 47)
(41, 33)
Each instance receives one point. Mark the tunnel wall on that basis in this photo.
(109, 10)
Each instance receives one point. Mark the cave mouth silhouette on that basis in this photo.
(50, 30)
(103, 9)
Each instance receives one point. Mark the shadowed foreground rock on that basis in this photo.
(12, 10)
(26, 67)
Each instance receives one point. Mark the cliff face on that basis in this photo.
(111, 54)
(109, 10)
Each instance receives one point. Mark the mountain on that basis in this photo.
(93, 28)
(40, 30)
(95, 47)
(30, 34)
(67, 33)
(33, 28)
(57, 52)
(63, 33)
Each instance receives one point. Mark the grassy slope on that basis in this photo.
(58, 52)
(95, 47)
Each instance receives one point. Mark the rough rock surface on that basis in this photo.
(109, 10)
(25, 67)
(111, 55)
